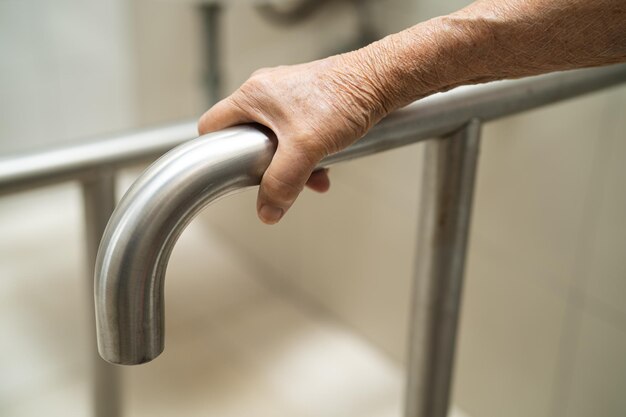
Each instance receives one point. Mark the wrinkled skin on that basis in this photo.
(319, 108)
(315, 109)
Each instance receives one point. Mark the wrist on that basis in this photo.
(431, 57)
(356, 74)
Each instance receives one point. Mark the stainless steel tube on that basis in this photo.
(143, 229)
(443, 113)
(99, 202)
(446, 203)
(140, 236)
(82, 160)
(433, 116)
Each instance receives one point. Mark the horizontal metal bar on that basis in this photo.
(85, 159)
(432, 116)
(444, 113)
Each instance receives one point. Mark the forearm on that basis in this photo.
(321, 107)
(496, 39)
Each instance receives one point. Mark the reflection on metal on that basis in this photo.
(99, 202)
(139, 238)
(445, 204)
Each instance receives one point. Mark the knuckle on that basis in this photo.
(254, 95)
(255, 83)
(235, 102)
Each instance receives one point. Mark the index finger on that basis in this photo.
(222, 115)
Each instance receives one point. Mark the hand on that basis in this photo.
(315, 109)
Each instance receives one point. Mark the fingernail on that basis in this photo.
(270, 214)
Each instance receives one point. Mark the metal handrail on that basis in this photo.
(142, 231)
(144, 228)
(428, 117)
(86, 159)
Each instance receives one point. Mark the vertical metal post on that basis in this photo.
(99, 202)
(446, 203)
(213, 69)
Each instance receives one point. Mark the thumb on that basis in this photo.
(282, 182)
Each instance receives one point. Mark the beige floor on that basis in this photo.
(234, 346)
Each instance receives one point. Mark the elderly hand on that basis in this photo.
(322, 107)
(314, 109)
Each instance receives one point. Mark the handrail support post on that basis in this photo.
(446, 203)
(99, 202)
